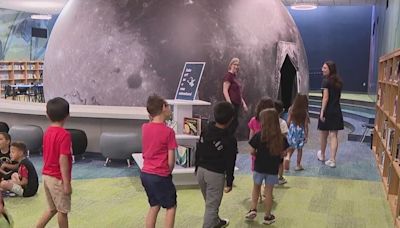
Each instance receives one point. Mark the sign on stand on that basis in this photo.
(190, 81)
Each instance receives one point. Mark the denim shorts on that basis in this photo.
(160, 190)
(268, 179)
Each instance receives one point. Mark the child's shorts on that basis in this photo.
(55, 196)
(160, 190)
(268, 179)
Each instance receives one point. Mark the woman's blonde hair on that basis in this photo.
(233, 60)
(271, 131)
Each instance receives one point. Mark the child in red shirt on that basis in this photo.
(158, 144)
(57, 164)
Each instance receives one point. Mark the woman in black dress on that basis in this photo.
(331, 118)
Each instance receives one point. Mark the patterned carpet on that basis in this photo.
(350, 195)
(304, 202)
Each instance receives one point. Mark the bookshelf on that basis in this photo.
(386, 140)
(20, 72)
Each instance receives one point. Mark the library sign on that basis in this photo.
(190, 80)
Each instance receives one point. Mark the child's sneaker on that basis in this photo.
(319, 156)
(282, 181)
(251, 215)
(269, 219)
(222, 223)
(330, 163)
(299, 168)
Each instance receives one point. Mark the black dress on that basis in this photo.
(333, 113)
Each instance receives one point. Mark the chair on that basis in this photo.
(31, 135)
(120, 145)
(21, 91)
(32, 93)
(8, 92)
(367, 128)
(40, 94)
(79, 142)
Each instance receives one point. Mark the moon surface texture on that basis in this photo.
(104, 52)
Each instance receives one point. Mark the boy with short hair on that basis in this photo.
(158, 145)
(215, 163)
(24, 183)
(284, 130)
(57, 164)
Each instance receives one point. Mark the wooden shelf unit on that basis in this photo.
(386, 140)
(20, 72)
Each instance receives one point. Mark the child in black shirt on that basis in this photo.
(269, 147)
(7, 167)
(215, 163)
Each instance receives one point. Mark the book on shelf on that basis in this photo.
(388, 72)
(395, 106)
(204, 120)
(397, 152)
(184, 156)
(389, 174)
(191, 126)
(383, 155)
(4, 76)
(389, 139)
(397, 71)
(384, 129)
(379, 96)
(3, 67)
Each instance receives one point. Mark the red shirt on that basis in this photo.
(23, 172)
(235, 93)
(157, 139)
(56, 141)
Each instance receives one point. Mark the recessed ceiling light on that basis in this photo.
(41, 16)
(303, 6)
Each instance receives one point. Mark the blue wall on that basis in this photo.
(385, 39)
(341, 34)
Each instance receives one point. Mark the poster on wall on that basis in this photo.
(190, 80)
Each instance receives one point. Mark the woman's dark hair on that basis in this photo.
(264, 103)
(333, 76)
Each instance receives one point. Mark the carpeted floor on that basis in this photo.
(350, 195)
(305, 202)
(350, 96)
